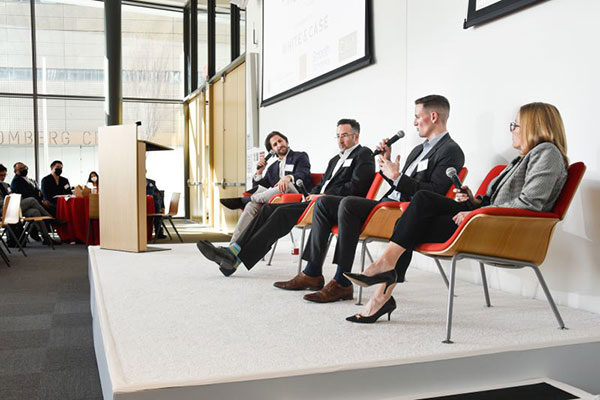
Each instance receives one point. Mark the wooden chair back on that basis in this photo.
(174, 205)
(11, 210)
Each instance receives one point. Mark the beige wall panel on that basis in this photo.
(118, 197)
(241, 125)
(216, 129)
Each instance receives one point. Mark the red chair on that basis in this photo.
(379, 226)
(506, 238)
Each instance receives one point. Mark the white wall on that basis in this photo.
(547, 52)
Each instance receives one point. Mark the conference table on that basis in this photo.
(75, 211)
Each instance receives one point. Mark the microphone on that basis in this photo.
(391, 141)
(271, 154)
(451, 173)
(302, 188)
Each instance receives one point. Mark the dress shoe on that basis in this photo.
(234, 203)
(387, 308)
(333, 291)
(302, 282)
(161, 235)
(387, 277)
(35, 235)
(220, 255)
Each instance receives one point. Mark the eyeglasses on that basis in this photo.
(513, 126)
(344, 135)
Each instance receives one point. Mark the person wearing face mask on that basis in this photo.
(31, 200)
(93, 179)
(54, 185)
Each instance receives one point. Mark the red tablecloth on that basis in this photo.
(75, 211)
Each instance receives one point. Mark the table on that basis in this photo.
(75, 211)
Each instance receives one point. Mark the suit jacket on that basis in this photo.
(352, 180)
(51, 189)
(25, 187)
(4, 191)
(532, 182)
(300, 170)
(446, 153)
(152, 190)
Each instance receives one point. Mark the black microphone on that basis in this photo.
(451, 173)
(391, 141)
(302, 188)
(271, 154)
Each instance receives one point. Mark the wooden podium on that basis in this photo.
(122, 198)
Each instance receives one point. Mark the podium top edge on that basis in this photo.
(151, 146)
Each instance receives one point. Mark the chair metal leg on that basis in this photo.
(175, 229)
(4, 243)
(273, 252)
(12, 234)
(362, 268)
(538, 273)
(485, 285)
(5, 257)
(301, 250)
(442, 272)
(450, 301)
(162, 222)
(42, 227)
(369, 255)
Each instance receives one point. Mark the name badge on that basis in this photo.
(347, 162)
(289, 167)
(66, 186)
(422, 165)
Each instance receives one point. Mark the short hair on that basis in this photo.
(2, 168)
(55, 162)
(353, 124)
(15, 165)
(438, 103)
(541, 122)
(270, 135)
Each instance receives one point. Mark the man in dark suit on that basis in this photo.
(159, 206)
(424, 169)
(54, 185)
(349, 173)
(280, 177)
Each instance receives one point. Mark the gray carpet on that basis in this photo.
(46, 346)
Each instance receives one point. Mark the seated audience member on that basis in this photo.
(349, 173)
(30, 207)
(531, 181)
(54, 185)
(93, 180)
(280, 178)
(424, 169)
(159, 206)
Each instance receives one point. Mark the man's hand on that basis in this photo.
(386, 151)
(389, 168)
(46, 203)
(311, 197)
(283, 183)
(261, 165)
(458, 218)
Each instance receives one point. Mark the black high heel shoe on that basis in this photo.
(388, 277)
(387, 308)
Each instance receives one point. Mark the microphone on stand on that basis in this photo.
(451, 173)
(271, 154)
(302, 188)
(391, 141)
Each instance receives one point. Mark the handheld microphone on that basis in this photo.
(302, 188)
(391, 141)
(271, 154)
(451, 173)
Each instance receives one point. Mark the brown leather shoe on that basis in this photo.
(302, 282)
(330, 293)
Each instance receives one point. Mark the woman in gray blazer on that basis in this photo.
(531, 181)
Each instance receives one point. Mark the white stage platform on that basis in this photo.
(169, 325)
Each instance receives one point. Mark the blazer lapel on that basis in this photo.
(349, 158)
(432, 151)
(412, 156)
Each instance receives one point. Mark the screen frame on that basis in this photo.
(355, 65)
(496, 10)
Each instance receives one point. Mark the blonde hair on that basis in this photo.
(541, 122)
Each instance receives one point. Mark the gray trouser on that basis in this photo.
(260, 197)
(32, 208)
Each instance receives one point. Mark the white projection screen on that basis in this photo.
(309, 42)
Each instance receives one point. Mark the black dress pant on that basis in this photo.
(428, 219)
(350, 214)
(272, 222)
